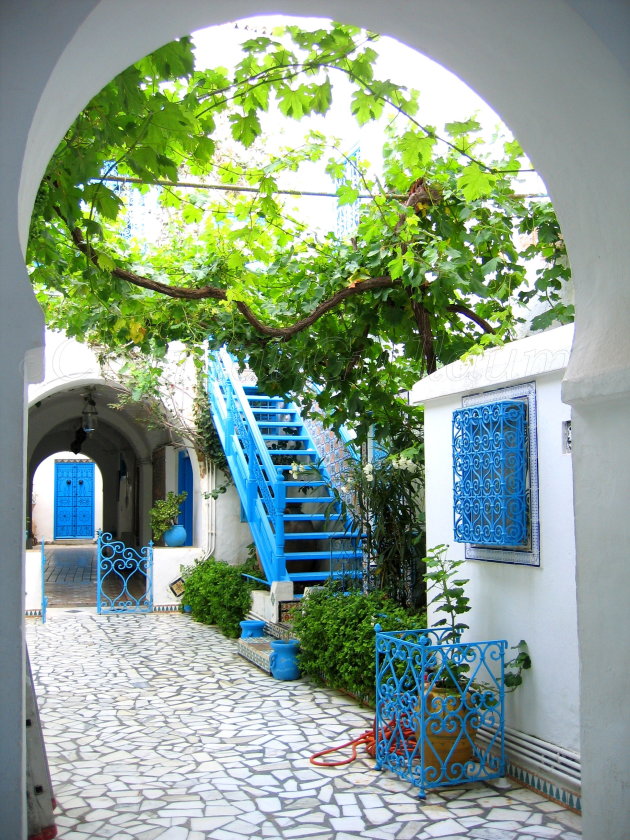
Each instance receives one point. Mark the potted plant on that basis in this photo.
(455, 699)
(164, 515)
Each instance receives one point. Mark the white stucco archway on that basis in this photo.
(557, 72)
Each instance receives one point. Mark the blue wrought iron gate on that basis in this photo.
(124, 576)
(439, 708)
(74, 500)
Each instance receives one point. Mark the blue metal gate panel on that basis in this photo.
(124, 576)
(74, 500)
(439, 708)
(185, 482)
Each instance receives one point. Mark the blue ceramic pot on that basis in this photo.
(251, 628)
(283, 659)
(175, 536)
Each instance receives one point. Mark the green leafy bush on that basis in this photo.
(217, 593)
(336, 633)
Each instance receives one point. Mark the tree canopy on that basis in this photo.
(437, 265)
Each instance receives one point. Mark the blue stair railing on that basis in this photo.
(299, 530)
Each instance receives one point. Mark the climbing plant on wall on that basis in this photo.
(435, 268)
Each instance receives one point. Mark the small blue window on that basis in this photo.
(490, 474)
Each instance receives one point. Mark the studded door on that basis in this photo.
(74, 500)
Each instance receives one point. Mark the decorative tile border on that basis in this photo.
(256, 652)
(551, 790)
(167, 608)
(33, 613)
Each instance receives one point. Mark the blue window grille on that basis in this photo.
(490, 474)
(504, 448)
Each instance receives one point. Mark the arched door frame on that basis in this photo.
(561, 85)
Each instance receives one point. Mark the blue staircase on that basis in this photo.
(299, 530)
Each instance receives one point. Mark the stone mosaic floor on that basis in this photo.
(71, 575)
(156, 729)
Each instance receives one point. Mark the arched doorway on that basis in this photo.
(67, 499)
(557, 72)
(119, 445)
(66, 512)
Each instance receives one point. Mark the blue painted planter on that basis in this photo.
(175, 536)
(283, 659)
(252, 629)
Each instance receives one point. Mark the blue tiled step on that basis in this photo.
(256, 651)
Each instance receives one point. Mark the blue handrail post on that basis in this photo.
(99, 542)
(149, 573)
(229, 420)
(280, 494)
(252, 490)
(44, 598)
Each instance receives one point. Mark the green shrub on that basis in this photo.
(336, 633)
(217, 593)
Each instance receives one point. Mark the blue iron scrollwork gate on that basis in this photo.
(124, 581)
(439, 708)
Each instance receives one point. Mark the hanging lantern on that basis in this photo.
(89, 415)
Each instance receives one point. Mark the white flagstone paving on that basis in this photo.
(156, 729)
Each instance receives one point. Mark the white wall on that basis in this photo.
(221, 532)
(33, 580)
(515, 602)
(167, 567)
(558, 72)
(43, 519)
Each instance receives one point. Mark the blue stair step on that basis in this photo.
(301, 577)
(303, 438)
(306, 483)
(320, 535)
(264, 410)
(322, 555)
(280, 424)
(315, 517)
(310, 452)
(317, 500)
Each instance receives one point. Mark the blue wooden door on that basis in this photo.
(185, 482)
(74, 500)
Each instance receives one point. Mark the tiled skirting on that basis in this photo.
(551, 790)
